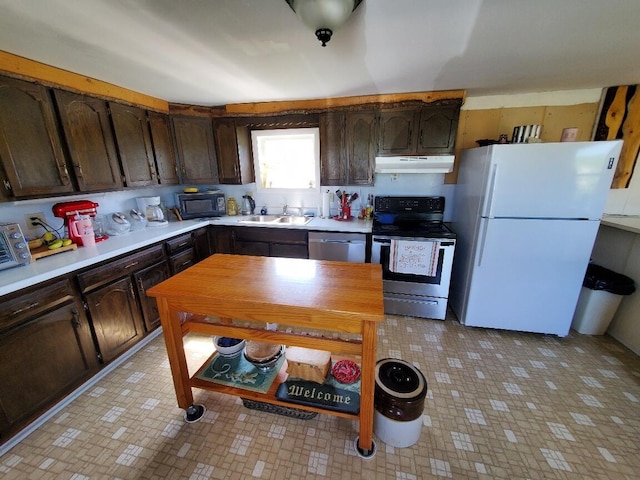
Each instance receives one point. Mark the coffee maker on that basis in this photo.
(77, 211)
(150, 207)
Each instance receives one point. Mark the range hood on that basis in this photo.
(415, 164)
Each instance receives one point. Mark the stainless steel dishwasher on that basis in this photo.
(343, 247)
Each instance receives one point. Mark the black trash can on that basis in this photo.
(601, 294)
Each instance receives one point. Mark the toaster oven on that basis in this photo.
(14, 249)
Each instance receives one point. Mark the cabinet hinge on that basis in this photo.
(7, 184)
(76, 319)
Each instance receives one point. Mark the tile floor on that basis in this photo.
(500, 405)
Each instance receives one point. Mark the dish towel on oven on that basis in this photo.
(414, 257)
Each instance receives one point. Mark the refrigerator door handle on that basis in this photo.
(492, 185)
(484, 226)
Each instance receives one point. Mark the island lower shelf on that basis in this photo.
(268, 397)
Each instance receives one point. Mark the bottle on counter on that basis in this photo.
(369, 208)
(232, 206)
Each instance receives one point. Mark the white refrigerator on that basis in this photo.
(526, 217)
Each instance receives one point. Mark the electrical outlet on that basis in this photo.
(394, 177)
(28, 220)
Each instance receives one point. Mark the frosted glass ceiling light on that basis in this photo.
(323, 16)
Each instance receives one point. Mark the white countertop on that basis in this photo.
(630, 223)
(317, 223)
(14, 279)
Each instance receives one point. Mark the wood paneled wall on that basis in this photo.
(490, 123)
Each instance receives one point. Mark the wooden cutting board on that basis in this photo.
(43, 251)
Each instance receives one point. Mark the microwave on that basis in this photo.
(200, 205)
(14, 249)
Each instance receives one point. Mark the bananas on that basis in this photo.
(51, 241)
(35, 243)
(55, 244)
(60, 242)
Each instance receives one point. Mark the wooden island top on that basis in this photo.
(321, 295)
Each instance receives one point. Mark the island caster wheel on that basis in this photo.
(194, 413)
(366, 454)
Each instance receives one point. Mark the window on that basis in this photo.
(287, 158)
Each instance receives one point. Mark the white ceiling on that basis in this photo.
(214, 52)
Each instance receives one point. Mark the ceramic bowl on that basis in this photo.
(228, 347)
(266, 364)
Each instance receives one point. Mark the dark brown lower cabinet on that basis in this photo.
(202, 243)
(145, 279)
(183, 260)
(220, 239)
(116, 318)
(251, 247)
(270, 242)
(41, 360)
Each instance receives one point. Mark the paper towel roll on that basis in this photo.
(326, 204)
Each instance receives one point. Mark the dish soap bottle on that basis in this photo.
(232, 206)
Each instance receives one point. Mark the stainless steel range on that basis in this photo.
(415, 249)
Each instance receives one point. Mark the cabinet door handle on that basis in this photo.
(78, 168)
(141, 288)
(129, 265)
(24, 309)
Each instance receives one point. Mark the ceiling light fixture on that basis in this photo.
(323, 16)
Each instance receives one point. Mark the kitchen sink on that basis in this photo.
(291, 220)
(277, 219)
(260, 219)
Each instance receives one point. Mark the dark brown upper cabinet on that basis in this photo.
(399, 130)
(362, 147)
(167, 168)
(233, 147)
(424, 131)
(31, 154)
(92, 148)
(438, 127)
(348, 147)
(195, 147)
(133, 139)
(332, 148)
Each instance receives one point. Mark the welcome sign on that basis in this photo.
(315, 394)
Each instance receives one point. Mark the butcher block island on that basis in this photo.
(237, 296)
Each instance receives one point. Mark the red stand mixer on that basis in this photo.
(74, 211)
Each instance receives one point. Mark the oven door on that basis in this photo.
(415, 295)
(436, 285)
